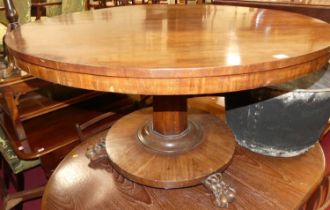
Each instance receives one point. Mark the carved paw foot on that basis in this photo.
(222, 192)
(98, 156)
(96, 151)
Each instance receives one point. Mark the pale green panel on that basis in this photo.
(3, 19)
(23, 8)
(3, 30)
(53, 10)
(16, 164)
(69, 6)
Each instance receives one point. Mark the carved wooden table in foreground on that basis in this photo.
(263, 182)
(171, 51)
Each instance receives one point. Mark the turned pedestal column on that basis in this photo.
(168, 147)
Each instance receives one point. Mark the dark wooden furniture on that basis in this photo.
(321, 196)
(315, 8)
(39, 97)
(171, 51)
(99, 4)
(262, 182)
(96, 4)
(55, 127)
(40, 6)
(40, 116)
(49, 124)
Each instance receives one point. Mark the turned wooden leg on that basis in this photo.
(170, 131)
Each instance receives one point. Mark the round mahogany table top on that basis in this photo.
(171, 49)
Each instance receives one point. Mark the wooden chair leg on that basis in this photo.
(14, 199)
(1, 160)
(19, 181)
(19, 187)
(6, 174)
(16, 179)
(3, 187)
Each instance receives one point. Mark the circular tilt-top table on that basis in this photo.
(171, 52)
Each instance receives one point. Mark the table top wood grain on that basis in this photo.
(171, 49)
(319, 9)
(293, 2)
(261, 182)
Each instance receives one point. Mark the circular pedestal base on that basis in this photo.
(182, 142)
(148, 167)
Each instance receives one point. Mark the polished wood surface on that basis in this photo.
(149, 167)
(294, 2)
(51, 131)
(314, 8)
(261, 182)
(171, 50)
(169, 114)
(198, 49)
